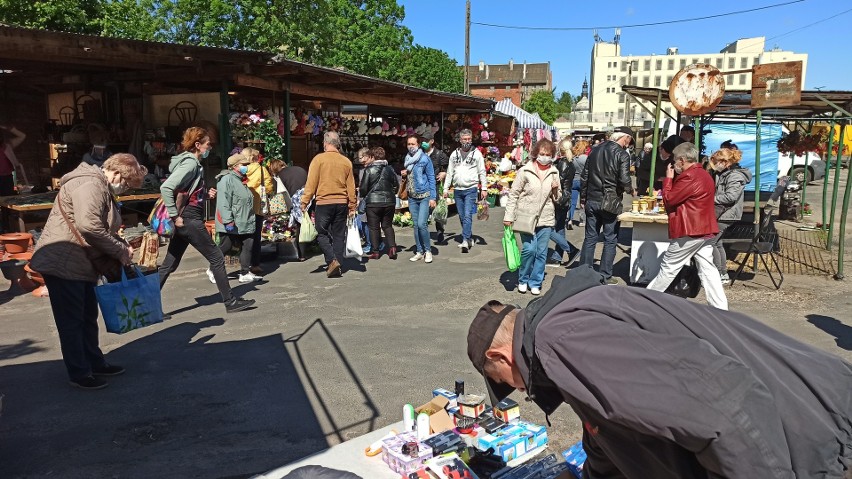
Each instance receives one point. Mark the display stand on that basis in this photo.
(650, 240)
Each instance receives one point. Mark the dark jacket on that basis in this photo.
(689, 202)
(671, 389)
(567, 172)
(294, 178)
(730, 193)
(608, 167)
(440, 160)
(379, 185)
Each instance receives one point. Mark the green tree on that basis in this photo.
(430, 68)
(543, 103)
(79, 16)
(565, 103)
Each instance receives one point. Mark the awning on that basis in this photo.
(525, 119)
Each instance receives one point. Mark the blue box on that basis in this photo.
(575, 457)
(451, 396)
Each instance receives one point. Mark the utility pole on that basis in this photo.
(467, 49)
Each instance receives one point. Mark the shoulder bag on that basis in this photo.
(403, 188)
(280, 201)
(525, 222)
(103, 265)
(612, 202)
(264, 201)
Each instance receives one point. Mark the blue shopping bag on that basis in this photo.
(130, 303)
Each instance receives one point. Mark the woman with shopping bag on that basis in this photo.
(531, 213)
(78, 245)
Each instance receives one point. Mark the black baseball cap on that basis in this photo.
(479, 338)
(625, 130)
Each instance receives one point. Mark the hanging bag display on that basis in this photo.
(130, 303)
(510, 249)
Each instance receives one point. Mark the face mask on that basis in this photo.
(205, 154)
(117, 189)
(466, 145)
(412, 150)
(243, 169)
(678, 169)
(425, 145)
(544, 160)
(720, 167)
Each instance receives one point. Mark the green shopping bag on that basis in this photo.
(510, 249)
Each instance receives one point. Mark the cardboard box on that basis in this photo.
(403, 463)
(439, 419)
(575, 457)
(451, 396)
(507, 410)
(514, 441)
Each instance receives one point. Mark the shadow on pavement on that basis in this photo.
(192, 404)
(22, 348)
(841, 332)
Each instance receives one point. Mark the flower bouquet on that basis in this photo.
(403, 219)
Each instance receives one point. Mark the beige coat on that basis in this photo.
(529, 193)
(89, 205)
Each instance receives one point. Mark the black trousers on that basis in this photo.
(247, 242)
(381, 217)
(331, 230)
(255, 245)
(194, 233)
(75, 311)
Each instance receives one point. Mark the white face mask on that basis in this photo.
(720, 167)
(544, 160)
(678, 169)
(117, 188)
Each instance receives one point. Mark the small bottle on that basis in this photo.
(408, 417)
(422, 426)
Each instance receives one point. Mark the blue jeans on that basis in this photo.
(557, 235)
(575, 199)
(533, 257)
(420, 215)
(597, 220)
(466, 206)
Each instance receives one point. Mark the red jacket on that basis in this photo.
(689, 201)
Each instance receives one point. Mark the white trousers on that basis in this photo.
(680, 251)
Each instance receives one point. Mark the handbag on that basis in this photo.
(510, 249)
(104, 265)
(307, 232)
(160, 220)
(264, 200)
(525, 222)
(612, 202)
(403, 188)
(353, 241)
(130, 304)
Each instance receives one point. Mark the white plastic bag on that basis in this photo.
(353, 241)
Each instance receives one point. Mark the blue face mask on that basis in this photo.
(425, 145)
(205, 154)
(243, 169)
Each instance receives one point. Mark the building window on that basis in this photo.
(635, 64)
(657, 81)
(707, 61)
(683, 63)
(743, 62)
(646, 81)
(742, 79)
(623, 81)
(732, 62)
(647, 65)
(621, 113)
(508, 87)
(669, 80)
(719, 63)
(729, 79)
(624, 66)
(756, 61)
(659, 64)
(491, 88)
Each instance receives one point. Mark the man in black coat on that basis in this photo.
(667, 388)
(440, 161)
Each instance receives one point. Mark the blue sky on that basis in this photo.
(440, 24)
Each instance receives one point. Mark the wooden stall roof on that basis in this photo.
(738, 103)
(50, 61)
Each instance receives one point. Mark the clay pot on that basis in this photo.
(16, 242)
(20, 256)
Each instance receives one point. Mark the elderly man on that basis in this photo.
(667, 388)
(689, 200)
(466, 176)
(331, 180)
(602, 185)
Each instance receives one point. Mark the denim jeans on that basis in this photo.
(597, 220)
(575, 199)
(194, 233)
(75, 311)
(557, 235)
(466, 206)
(420, 215)
(331, 230)
(534, 257)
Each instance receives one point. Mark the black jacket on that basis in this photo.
(379, 185)
(608, 167)
(670, 389)
(440, 160)
(566, 171)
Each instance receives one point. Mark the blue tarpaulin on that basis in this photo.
(744, 135)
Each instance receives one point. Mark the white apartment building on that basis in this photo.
(611, 70)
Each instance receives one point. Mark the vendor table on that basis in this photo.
(346, 456)
(650, 240)
(21, 205)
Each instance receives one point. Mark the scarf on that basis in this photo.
(410, 160)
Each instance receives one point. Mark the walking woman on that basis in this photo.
(186, 183)
(293, 179)
(422, 196)
(580, 150)
(258, 178)
(379, 185)
(731, 181)
(534, 193)
(565, 167)
(79, 244)
(235, 215)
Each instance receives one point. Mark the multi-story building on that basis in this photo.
(611, 70)
(516, 82)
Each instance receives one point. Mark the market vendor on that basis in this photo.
(667, 388)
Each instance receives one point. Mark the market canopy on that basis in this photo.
(525, 119)
(49, 61)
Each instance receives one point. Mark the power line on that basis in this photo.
(638, 25)
(810, 24)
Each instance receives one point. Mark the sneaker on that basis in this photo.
(210, 276)
(334, 270)
(535, 291)
(108, 370)
(249, 277)
(465, 246)
(522, 288)
(572, 256)
(88, 383)
(417, 257)
(238, 304)
(427, 258)
(553, 262)
(726, 280)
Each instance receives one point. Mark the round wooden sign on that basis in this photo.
(697, 89)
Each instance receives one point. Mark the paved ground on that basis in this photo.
(318, 361)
